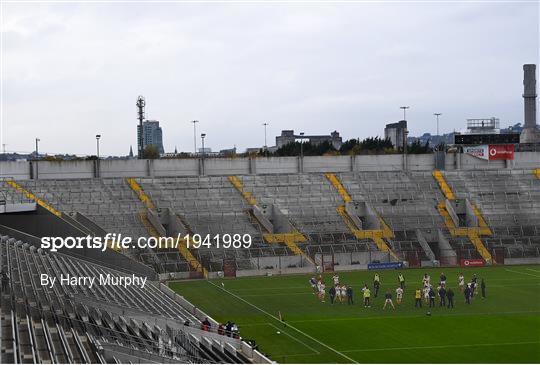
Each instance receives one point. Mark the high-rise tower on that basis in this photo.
(530, 133)
(140, 116)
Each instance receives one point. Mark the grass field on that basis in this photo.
(503, 328)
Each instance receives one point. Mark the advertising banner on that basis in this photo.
(491, 152)
(477, 151)
(501, 152)
(385, 265)
(472, 262)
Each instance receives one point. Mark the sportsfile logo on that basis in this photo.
(112, 240)
(120, 241)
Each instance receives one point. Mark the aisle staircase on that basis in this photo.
(472, 233)
(180, 243)
(378, 236)
(34, 198)
(290, 239)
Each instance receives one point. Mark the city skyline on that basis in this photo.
(73, 71)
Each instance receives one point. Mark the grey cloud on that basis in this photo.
(72, 71)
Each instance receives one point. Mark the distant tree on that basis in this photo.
(372, 145)
(308, 149)
(91, 158)
(440, 147)
(348, 146)
(417, 148)
(150, 152)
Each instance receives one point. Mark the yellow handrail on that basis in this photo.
(339, 187)
(31, 196)
(235, 181)
(443, 185)
(145, 199)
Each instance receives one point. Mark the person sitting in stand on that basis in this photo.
(235, 332)
(206, 324)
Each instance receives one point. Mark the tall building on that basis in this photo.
(152, 135)
(530, 133)
(396, 133)
(288, 136)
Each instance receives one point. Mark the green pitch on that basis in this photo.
(503, 328)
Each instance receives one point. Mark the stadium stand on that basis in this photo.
(12, 196)
(409, 203)
(110, 205)
(208, 206)
(510, 202)
(108, 202)
(310, 203)
(96, 324)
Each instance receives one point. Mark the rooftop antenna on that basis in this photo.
(141, 103)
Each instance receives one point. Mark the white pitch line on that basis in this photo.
(533, 270)
(523, 273)
(289, 326)
(294, 338)
(412, 316)
(444, 346)
(310, 293)
(280, 288)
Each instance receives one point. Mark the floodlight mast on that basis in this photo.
(141, 103)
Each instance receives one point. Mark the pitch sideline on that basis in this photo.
(294, 338)
(294, 328)
(443, 346)
(523, 273)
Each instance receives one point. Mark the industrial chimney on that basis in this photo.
(530, 133)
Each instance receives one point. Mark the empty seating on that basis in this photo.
(90, 323)
(509, 201)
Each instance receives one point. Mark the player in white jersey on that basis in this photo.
(461, 282)
(343, 293)
(336, 279)
(399, 295)
(426, 280)
(426, 293)
(338, 293)
(322, 291)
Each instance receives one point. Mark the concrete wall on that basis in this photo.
(279, 262)
(244, 166)
(356, 259)
(16, 170)
(522, 261)
(289, 271)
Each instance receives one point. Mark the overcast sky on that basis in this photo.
(71, 71)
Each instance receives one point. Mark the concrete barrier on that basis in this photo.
(522, 261)
(260, 165)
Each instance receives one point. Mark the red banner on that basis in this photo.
(472, 262)
(501, 151)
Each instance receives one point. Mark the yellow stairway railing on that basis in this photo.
(443, 185)
(181, 245)
(145, 199)
(473, 233)
(186, 253)
(289, 239)
(31, 196)
(376, 235)
(339, 187)
(235, 181)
